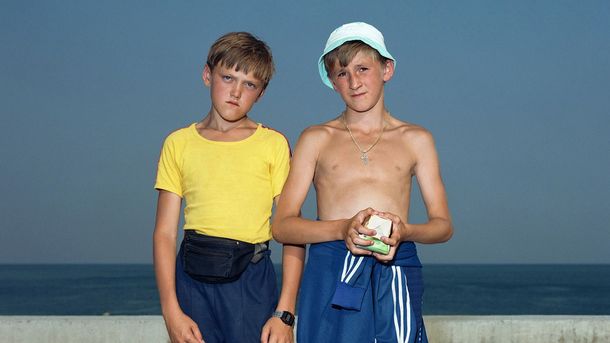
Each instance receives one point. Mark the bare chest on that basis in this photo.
(341, 161)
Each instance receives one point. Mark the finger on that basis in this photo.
(358, 227)
(365, 230)
(384, 214)
(352, 242)
(353, 237)
(358, 240)
(358, 251)
(197, 334)
(368, 210)
(354, 226)
(384, 258)
(391, 216)
(394, 218)
(362, 215)
(265, 334)
(389, 240)
(381, 258)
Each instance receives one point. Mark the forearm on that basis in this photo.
(293, 229)
(293, 259)
(436, 230)
(165, 271)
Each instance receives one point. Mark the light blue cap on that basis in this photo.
(350, 32)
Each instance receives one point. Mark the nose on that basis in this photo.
(236, 91)
(354, 82)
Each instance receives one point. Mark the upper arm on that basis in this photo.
(427, 171)
(168, 213)
(302, 168)
(169, 173)
(281, 165)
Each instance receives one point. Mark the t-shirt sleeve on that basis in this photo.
(281, 166)
(168, 171)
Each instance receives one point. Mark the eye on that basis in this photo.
(341, 74)
(363, 69)
(251, 85)
(227, 77)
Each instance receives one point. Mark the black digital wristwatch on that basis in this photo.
(285, 316)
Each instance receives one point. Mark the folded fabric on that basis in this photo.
(355, 280)
(356, 275)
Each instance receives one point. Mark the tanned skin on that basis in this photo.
(348, 191)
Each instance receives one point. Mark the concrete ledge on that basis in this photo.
(518, 329)
(441, 329)
(92, 329)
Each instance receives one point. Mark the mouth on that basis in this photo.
(357, 95)
(232, 103)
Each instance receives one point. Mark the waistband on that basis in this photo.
(259, 248)
(406, 255)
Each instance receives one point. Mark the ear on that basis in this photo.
(388, 70)
(206, 76)
(260, 95)
(334, 84)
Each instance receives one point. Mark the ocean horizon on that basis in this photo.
(450, 289)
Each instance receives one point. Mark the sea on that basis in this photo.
(83, 289)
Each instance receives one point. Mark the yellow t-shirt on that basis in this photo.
(228, 187)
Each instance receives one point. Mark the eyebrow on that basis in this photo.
(255, 81)
(231, 72)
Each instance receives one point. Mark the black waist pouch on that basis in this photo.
(213, 259)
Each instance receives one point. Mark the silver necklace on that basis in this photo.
(363, 153)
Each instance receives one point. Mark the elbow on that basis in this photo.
(277, 232)
(442, 230)
(448, 233)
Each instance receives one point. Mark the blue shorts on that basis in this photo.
(234, 311)
(389, 305)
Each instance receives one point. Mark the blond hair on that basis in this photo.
(346, 52)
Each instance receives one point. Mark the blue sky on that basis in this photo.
(515, 93)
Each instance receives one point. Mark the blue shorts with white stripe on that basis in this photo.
(347, 298)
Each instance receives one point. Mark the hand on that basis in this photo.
(182, 329)
(354, 228)
(275, 331)
(400, 232)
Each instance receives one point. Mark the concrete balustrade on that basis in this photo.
(441, 329)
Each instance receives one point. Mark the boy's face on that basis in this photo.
(361, 82)
(233, 92)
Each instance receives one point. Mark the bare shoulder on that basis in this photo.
(313, 140)
(320, 133)
(410, 133)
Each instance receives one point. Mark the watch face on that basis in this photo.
(287, 318)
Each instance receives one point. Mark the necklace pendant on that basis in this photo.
(365, 158)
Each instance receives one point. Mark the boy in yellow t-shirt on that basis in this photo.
(221, 286)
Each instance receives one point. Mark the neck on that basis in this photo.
(365, 121)
(215, 122)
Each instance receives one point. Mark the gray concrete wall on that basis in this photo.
(441, 329)
(91, 329)
(518, 329)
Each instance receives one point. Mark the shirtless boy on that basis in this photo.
(361, 163)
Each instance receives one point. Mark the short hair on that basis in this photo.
(245, 52)
(346, 52)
